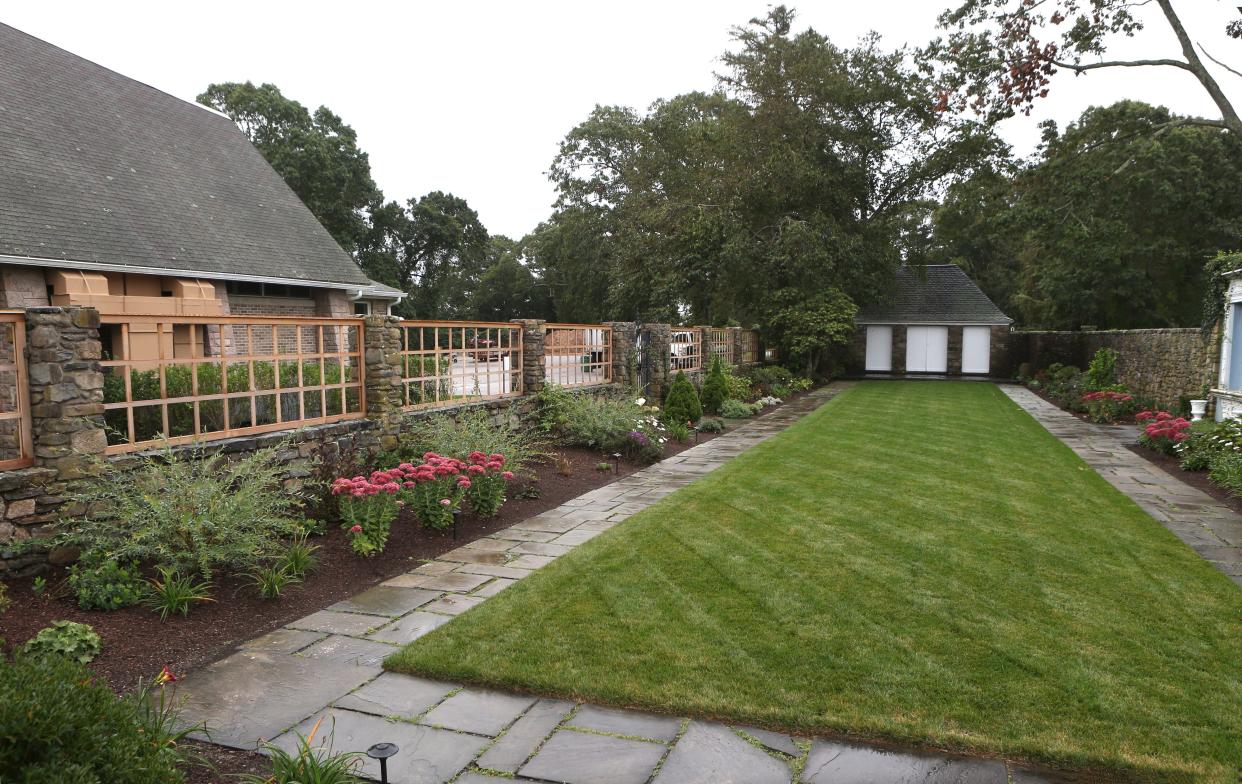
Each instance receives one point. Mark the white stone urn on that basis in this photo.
(1197, 409)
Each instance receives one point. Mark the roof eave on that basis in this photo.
(138, 269)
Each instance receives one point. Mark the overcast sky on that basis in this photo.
(472, 97)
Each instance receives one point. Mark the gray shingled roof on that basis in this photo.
(935, 294)
(96, 167)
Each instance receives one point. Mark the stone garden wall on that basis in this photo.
(1161, 364)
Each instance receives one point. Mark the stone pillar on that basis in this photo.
(899, 349)
(66, 389)
(659, 338)
(382, 354)
(532, 354)
(736, 335)
(624, 352)
(705, 333)
(953, 367)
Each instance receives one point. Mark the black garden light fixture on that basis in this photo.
(616, 463)
(456, 518)
(381, 752)
(694, 430)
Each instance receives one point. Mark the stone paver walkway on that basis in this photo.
(327, 666)
(1208, 527)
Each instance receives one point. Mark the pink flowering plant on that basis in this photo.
(486, 482)
(368, 507)
(434, 488)
(1108, 405)
(1162, 431)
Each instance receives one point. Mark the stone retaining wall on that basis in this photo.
(1160, 364)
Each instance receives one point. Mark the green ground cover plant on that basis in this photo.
(916, 561)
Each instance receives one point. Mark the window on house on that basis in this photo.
(362, 308)
(251, 289)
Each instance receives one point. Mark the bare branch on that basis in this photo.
(1209, 56)
(1080, 67)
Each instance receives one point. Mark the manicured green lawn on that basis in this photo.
(920, 561)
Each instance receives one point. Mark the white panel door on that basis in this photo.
(976, 349)
(880, 349)
(927, 349)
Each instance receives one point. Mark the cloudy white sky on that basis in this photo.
(472, 96)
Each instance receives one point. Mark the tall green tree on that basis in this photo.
(317, 154)
(1110, 225)
(507, 289)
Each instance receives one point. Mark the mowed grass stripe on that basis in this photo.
(919, 561)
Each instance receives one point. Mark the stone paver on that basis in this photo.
(394, 694)
(350, 650)
(714, 754)
(409, 628)
(516, 746)
(1208, 527)
(629, 723)
(385, 600)
(582, 758)
(480, 711)
(325, 665)
(426, 756)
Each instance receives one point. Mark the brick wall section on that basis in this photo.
(1161, 364)
(382, 355)
(271, 306)
(532, 354)
(899, 348)
(624, 348)
(23, 287)
(954, 358)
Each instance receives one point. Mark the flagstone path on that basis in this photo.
(1207, 526)
(327, 666)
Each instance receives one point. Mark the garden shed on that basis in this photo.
(937, 321)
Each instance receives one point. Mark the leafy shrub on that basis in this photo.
(715, 390)
(1225, 469)
(1162, 431)
(646, 441)
(765, 376)
(109, 585)
(173, 592)
(75, 641)
(736, 409)
(185, 511)
(59, 725)
(596, 421)
(309, 764)
(474, 431)
(681, 404)
(801, 384)
(487, 479)
(1102, 372)
(711, 426)
(739, 387)
(1107, 406)
(1206, 439)
(780, 391)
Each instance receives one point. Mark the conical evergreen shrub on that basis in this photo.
(715, 388)
(681, 404)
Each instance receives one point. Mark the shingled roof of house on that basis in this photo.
(100, 169)
(934, 294)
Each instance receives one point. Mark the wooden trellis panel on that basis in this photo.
(577, 355)
(447, 362)
(16, 446)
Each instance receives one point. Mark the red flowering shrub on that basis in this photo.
(485, 487)
(368, 506)
(1162, 431)
(1108, 405)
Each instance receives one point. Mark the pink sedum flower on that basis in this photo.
(357, 529)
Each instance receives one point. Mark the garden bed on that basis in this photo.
(1196, 479)
(136, 643)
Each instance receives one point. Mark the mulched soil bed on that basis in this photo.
(136, 644)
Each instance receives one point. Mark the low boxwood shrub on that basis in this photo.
(681, 404)
(736, 409)
(715, 389)
(710, 426)
(59, 725)
(67, 639)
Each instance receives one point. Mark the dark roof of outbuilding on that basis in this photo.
(934, 294)
(98, 168)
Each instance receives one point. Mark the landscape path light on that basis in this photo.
(381, 752)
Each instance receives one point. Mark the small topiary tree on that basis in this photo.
(682, 402)
(715, 387)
